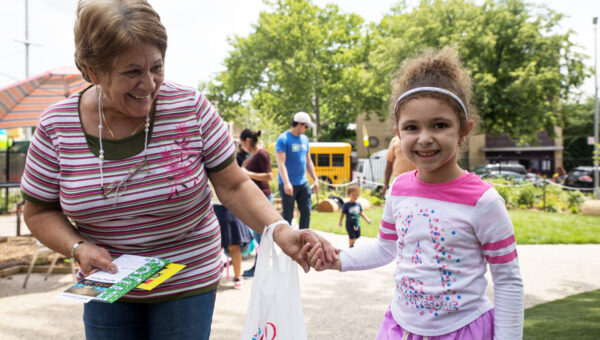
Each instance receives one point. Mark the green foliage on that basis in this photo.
(14, 197)
(574, 317)
(526, 196)
(549, 197)
(300, 57)
(578, 120)
(575, 201)
(521, 67)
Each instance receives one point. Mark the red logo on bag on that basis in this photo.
(265, 336)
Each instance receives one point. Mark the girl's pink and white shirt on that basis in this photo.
(442, 237)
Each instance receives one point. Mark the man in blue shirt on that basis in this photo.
(293, 160)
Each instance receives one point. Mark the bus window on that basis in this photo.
(323, 159)
(337, 159)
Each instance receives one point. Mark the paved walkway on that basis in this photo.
(336, 305)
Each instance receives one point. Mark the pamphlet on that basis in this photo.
(132, 271)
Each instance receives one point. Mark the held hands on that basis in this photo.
(315, 255)
(93, 258)
(297, 243)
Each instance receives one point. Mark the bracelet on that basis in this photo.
(274, 224)
(77, 244)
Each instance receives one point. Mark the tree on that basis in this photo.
(579, 124)
(522, 69)
(299, 58)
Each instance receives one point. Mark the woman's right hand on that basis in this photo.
(93, 258)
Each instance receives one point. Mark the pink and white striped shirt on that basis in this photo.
(162, 210)
(442, 236)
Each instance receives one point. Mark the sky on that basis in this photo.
(198, 32)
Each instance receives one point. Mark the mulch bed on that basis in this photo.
(18, 251)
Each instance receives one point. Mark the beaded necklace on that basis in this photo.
(117, 185)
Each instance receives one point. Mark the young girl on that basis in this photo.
(441, 224)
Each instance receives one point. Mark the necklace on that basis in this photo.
(105, 191)
(111, 131)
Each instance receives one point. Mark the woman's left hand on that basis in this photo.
(291, 242)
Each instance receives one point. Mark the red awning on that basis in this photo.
(22, 103)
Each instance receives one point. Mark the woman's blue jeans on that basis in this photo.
(302, 195)
(185, 318)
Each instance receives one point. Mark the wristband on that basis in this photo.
(77, 244)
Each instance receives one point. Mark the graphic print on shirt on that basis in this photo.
(412, 289)
(179, 159)
(296, 147)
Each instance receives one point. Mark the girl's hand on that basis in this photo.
(93, 258)
(314, 255)
(340, 224)
(292, 242)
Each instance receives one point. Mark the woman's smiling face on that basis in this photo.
(133, 83)
(430, 132)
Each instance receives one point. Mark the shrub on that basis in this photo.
(526, 196)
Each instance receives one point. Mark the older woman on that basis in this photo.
(128, 160)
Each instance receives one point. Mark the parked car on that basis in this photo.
(502, 167)
(511, 176)
(580, 177)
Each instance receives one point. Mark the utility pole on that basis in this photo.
(596, 154)
(27, 42)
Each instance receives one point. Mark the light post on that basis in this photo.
(596, 154)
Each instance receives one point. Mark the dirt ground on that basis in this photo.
(18, 251)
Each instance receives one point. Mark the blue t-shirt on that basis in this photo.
(352, 211)
(296, 148)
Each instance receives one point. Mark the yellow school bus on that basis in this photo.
(332, 161)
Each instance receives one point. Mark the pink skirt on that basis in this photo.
(481, 328)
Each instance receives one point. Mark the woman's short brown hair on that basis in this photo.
(105, 29)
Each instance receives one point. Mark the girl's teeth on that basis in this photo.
(427, 154)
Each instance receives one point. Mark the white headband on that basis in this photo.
(432, 89)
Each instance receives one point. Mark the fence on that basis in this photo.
(12, 165)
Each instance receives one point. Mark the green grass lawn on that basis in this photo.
(531, 227)
(574, 317)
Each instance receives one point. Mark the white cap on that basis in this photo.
(303, 117)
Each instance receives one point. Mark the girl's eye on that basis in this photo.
(157, 68)
(410, 128)
(440, 125)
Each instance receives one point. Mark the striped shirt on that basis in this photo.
(157, 208)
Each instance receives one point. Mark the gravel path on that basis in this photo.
(336, 305)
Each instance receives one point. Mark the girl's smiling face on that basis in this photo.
(430, 135)
(133, 83)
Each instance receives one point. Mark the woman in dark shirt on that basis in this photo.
(258, 168)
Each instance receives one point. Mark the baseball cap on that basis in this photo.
(303, 117)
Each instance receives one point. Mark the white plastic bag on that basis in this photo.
(275, 309)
